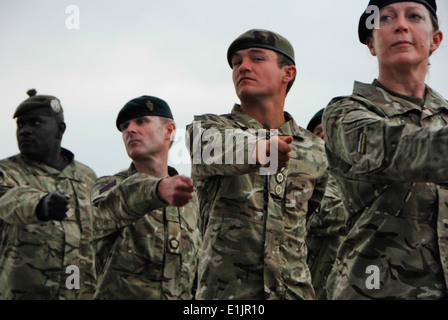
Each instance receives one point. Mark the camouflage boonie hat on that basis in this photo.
(39, 105)
(364, 33)
(265, 39)
(143, 106)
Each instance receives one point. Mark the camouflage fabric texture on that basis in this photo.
(146, 250)
(327, 230)
(254, 225)
(34, 255)
(389, 156)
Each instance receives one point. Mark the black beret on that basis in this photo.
(258, 38)
(39, 105)
(317, 118)
(364, 33)
(143, 106)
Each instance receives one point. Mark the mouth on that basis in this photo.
(26, 141)
(244, 79)
(132, 141)
(402, 43)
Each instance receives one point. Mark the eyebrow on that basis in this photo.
(253, 50)
(31, 118)
(410, 7)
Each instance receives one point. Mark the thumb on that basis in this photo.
(287, 139)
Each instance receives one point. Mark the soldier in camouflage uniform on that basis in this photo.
(327, 226)
(146, 218)
(45, 212)
(387, 147)
(254, 222)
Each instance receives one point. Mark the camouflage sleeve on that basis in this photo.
(119, 202)
(87, 171)
(364, 144)
(330, 219)
(18, 203)
(319, 190)
(218, 149)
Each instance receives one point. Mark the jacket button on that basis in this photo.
(280, 177)
(278, 190)
(174, 244)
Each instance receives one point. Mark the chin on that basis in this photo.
(404, 61)
(30, 155)
(133, 154)
(246, 94)
(28, 152)
(138, 155)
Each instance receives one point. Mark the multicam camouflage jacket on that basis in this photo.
(35, 255)
(254, 224)
(389, 155)
(327, 230)
(145, 248)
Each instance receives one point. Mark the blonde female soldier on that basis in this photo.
(387, 146)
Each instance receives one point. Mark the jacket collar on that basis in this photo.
(245, 121)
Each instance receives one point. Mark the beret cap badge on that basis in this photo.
(56, 106)
(39, 105)
(260, 38)
(150, 105)
(143, 106)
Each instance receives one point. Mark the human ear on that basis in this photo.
(170, 130)
(61, 129)
(436, 41)
(289, 73)
(371, 46)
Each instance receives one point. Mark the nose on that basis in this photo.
(25, 129)
(131, 127)
(245, 65)
(401, 24)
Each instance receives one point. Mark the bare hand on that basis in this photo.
(274, 151)
(177, 190)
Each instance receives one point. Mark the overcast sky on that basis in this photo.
(175, 50)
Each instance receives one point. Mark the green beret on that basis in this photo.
(258, 38)
(143, 106)
(39, 105)
(364, 32)
(315, 121)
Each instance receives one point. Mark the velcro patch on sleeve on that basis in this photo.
(110, 185)
(362, 143)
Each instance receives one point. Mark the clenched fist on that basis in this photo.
(274, 153)
(53, 206)
(177, 190)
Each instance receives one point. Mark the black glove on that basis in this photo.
(53, 206)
